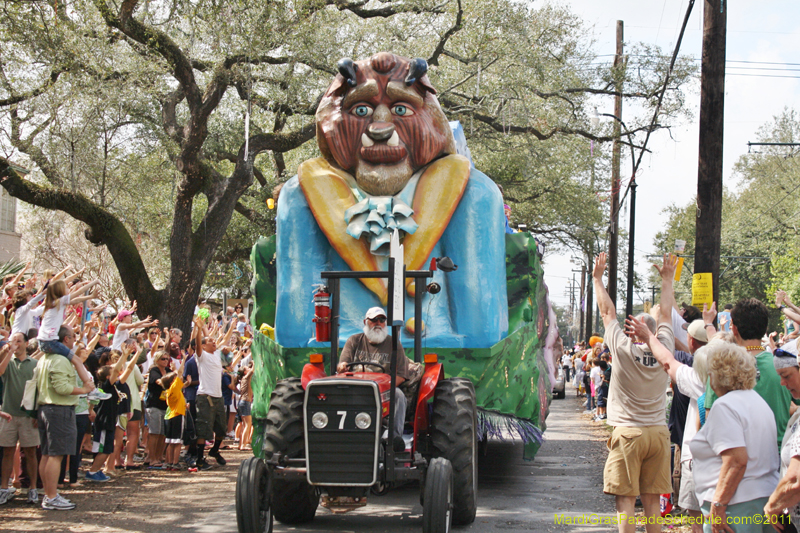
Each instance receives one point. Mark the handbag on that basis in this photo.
(30, 395)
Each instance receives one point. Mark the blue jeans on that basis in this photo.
(56, 347)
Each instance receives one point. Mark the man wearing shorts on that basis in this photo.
(638, 462)
(16, 368)
(58, 431)
(212, 419)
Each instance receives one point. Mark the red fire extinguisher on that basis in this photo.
(322, 313)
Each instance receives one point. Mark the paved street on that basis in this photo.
(515, 495)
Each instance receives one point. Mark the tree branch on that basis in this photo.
(104, 228)
(250, 214)
(434, 59)
(389, 10)
(21, 97)
(231, 256)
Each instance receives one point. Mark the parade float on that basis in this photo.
(391, 162)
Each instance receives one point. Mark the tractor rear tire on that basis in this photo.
(437, 510)
(454, 434)
(253, 513)
(296, 502)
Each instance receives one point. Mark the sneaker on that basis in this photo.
(98, 476)
(7, 494)
(191, 462)
(202, 464)
(98, 396)
(58, 503)
(33, 496)
(220, 460)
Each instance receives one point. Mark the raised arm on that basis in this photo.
(93, 343)
(131, 364)
(61, 273)
(5, 357)
(73, 277)
(227, 337)
(604, 303)
(117, 370)
(709, 316)
(198, 337)
(667, 272)
(791, 311)
(19, 275)
(75, 296)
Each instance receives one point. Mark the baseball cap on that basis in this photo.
(375, 312)
(790, 347)
(124, 313)
(697, 330)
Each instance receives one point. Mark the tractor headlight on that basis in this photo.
(363, 420)
(319, 420)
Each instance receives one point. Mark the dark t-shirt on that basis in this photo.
(157, 396)
(680, 405)
(190, 369)
(227, 393)
(106, 411)
(357, 348)
(607, 376)
(124, 396)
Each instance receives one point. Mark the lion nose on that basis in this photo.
(380, 131)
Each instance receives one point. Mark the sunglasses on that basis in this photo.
(378, 320)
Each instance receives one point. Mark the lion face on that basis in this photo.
(382, 122)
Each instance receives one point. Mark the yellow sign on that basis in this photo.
(702, 290)
(679, 269)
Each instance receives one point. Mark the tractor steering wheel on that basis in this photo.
(369, 363)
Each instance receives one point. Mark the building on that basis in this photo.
(9, 238)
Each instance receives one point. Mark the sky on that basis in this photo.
(762, 78)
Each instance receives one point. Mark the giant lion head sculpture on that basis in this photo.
(380, 121)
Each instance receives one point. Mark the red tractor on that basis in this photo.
(329, 437)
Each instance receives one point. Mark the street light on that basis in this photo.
(595, 120)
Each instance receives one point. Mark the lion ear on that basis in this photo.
(417, 73)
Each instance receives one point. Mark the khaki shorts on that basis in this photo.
(18, 429)
(687, 498)
(638, 461)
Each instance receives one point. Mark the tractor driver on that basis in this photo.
(375, 345)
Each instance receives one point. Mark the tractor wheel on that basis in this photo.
(437, 509)
(454, 434)
(296, 502)
(253, 513)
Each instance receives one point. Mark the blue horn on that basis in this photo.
(416, 69)
(348, 70)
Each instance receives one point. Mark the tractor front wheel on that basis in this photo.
(454, 434)
(295, 502)
(437, 510)
(253, 514)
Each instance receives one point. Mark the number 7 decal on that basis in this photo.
(343, 414)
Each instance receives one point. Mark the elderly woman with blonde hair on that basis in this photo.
(735, 458)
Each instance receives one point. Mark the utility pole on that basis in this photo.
(712, 114)
(613, 227)
(589, 296)
(582, 299)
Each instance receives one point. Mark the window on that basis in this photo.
(8, 211)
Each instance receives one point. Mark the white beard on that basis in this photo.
(375, 335)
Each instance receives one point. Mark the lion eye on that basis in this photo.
(362, 110)
(402, 111)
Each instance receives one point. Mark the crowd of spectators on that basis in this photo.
(727, 449)
(80, 382)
